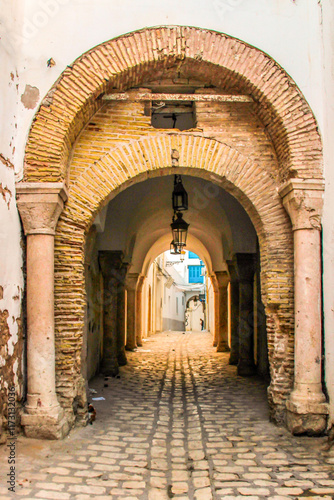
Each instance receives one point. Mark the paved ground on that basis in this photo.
(179, 424)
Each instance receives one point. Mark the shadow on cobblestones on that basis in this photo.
(178, 423)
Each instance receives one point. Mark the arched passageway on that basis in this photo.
(134, 230)
(246, 142)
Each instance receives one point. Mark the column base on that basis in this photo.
(110, 369)
(130, 348)
(121, 358)
(223, 347)
(246, 369)
(306, 417)
(234, 358)
(44, 425)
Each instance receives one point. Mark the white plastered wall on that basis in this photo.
(328, 220)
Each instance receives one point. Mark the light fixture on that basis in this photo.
(179, 230)
(179, 196)
(174, 249)
(178, 225)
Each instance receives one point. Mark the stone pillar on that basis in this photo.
(40, 205)
(121, 317)
(223, 280)
(234, 294)
(215, 309)
(306, 407)
(139, 300)
(110, 262)
(246, 270)
(262, 367)
(131, 285)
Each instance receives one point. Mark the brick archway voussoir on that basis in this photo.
(122, 62)
(122, 165)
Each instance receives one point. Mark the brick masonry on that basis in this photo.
(250, 149)
(130, 60)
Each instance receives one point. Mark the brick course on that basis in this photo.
(132, 59)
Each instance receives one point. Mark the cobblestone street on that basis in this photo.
(177, 423)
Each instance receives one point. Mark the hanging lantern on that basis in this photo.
(174, 249)
(180, 231)
(179, 196)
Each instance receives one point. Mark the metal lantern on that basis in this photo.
(174, 249)
(179, 230)
(179, 196)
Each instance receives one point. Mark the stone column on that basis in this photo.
(223, 280)
(306, 407)
(121, 317)
(40, 205)
(234, 293)
(246, 270)
(139, 300)
(131, 285)
(215, 309)
(110, 262)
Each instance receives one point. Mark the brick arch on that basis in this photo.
(148, 157)
(131, 59)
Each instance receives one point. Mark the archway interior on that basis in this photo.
(133, 231)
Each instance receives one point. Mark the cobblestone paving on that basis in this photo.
(178, 423)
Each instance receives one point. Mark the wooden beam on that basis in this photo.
(176, 97)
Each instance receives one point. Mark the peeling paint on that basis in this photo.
(6, 162)
(11, 352)
(6, 194)
(30, 97)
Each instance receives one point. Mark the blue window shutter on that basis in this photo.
(195, 274)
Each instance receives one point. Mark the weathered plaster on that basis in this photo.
(328, 220)
(11, 289)
(30, 97)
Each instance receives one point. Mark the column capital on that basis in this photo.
(111, 261)
(233, 269)
(303, 200)
(131, 281)
(141, 280)
(220, 279)
(40, 205)
(245, 266)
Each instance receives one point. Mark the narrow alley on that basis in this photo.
(176, 423)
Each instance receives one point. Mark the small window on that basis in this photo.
(177, 305)
(173, 115)
(195, 274)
